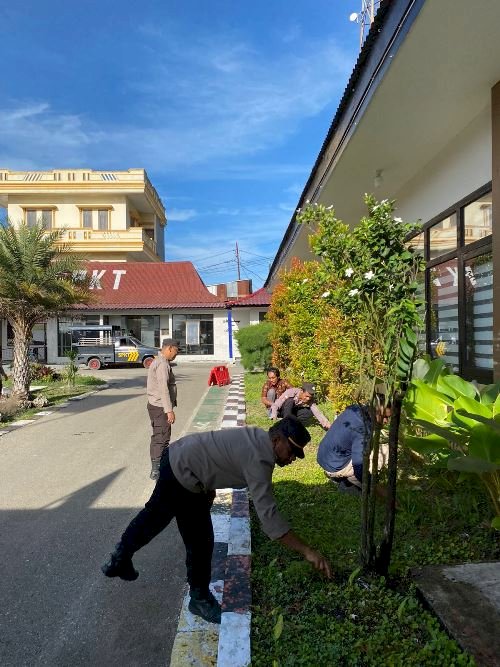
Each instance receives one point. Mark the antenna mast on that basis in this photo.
(365, 17)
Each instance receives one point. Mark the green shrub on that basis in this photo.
(42, 373)
(255, 345)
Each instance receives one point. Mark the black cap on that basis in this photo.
(309, 387)
(297, 434)
(169, 342)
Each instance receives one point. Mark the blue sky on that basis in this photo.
(225, 104)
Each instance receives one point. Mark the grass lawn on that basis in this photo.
(299, 618)
(56, 392)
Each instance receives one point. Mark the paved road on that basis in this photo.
(69, 485)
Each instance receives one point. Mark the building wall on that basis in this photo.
(463, 167)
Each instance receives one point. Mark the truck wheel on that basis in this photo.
(147, 361)
(94, 364)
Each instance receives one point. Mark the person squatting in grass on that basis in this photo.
(272, 388)
(340, 452)
(191, 470)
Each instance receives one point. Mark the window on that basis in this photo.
(443, 312)
(457, 286)
(478, 282)
(195, 333)
(443, 237)
(478, 219)
(87, 218)
(102, 220)
(262, 316)
(42, 215)
(95, 219)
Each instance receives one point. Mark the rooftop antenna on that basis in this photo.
(365, 17)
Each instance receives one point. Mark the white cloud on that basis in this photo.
(181, 214)
(192, 104)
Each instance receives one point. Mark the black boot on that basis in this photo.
(120, 565)
(205, 606)
(155, 469)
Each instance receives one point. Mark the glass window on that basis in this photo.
(102, 220)
(478, 219)
(479, 311)
(64, 336)
(204, 325)
(443, 312)
(87, 218)
(417, 243)
(262, 316)
(31, 217)
(46, 219)
(443, 237)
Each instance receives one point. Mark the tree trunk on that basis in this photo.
(23, 331)
(385, 549)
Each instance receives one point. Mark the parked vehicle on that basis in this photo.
(99, 346)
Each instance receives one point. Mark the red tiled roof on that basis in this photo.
(259, 298)
(146, 285)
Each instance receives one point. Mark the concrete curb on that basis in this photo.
(197, 642)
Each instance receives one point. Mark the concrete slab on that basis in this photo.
(466, 598)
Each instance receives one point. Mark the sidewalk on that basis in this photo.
(197, 642)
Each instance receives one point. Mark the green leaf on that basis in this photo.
(420, 369)
(485, 444)
(353, 576)
(496, 406)
(490, 393)
(429, 444)
(471, 464)
(465, 411)
(495, 523)
(437, 367)
(426, 403)
(478, 418)
(278, 628)
(447, 432)
(455, 386)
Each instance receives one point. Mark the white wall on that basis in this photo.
(462, 167)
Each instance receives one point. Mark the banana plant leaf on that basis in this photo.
(490, 393)
(448, 432)
(492, 423)
(466, 409)
(484, 444)
(420, 369)
(454, 386)
(437, 367)
(471, 464)
(428, 444)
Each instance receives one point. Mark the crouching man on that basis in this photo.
(340, 452)
(191, 469)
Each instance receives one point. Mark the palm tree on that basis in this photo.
(38, 279)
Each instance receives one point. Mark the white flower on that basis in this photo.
(306, 280)
(325, 294)
(369, 275)
(391, 287)
(298, 210)
(398, 219)
(315, 203)
(353, 292)
(384, 201)
(308, 201)
(329, 208)
(354, 616)
(349, 272)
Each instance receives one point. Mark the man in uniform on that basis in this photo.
(162, 399)
(192, 468)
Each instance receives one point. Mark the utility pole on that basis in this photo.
(365, 17)
(238, 260)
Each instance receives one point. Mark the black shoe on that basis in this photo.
(155, 469)
(208, 608)
(120, 565)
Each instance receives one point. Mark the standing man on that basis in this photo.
(192, 468)
(299, 402)
(162, 399)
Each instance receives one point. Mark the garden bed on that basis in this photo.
(56, 391)
(299, 618)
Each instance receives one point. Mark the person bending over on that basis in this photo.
(340, 452)
(191, 469)
(299, 402)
